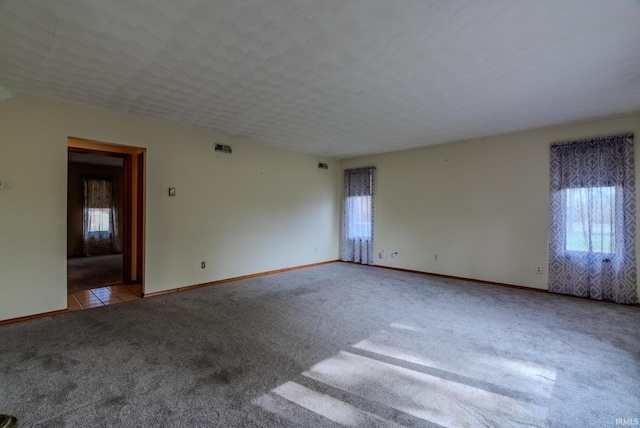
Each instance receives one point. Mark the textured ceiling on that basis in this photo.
(330, 77)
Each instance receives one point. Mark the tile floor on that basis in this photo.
(103, 296)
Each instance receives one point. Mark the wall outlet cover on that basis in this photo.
(172, 191)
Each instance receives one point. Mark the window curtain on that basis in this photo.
(592, 242)
(100, 217)
(358, 219)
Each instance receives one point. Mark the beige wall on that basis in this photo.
(74, 201)
(480, 205)
(255, 210)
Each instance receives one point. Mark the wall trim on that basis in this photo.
(460, 278)
(34, 316)
(499, 284)
(236, 278)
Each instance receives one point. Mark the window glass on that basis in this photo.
(590, 223)
(359, 218)
(98, 220)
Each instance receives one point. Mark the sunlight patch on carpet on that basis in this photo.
(331, 408)
(465, 389)
(524, 376)
(421, 395)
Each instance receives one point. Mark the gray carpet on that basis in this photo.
(85, 273)
(333, 345)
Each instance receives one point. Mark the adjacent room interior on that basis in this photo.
(320, 213)
(94, 221)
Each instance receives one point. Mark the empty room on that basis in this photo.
(319, 213)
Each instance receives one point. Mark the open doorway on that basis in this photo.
(105, 223)
(95, 214)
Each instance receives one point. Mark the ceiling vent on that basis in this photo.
(223, 148)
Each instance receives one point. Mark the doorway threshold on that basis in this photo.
(103, 296)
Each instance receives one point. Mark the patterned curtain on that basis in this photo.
(100, 217)
(592, 242)
(357, 229)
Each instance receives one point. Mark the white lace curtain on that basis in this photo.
(358, 219)
(592, 251)
(100, 217)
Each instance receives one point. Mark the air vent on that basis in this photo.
(223, 148)
(323, 165)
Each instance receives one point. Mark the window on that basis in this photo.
(592, 219)
(590, 223)
(359, 218)
(98, 219)
(359, 213)
(100, 216)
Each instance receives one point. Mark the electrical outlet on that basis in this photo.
(538, 269)
(435, 257)
(203, 265)
(382, 254)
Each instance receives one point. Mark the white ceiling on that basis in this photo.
(331, 77)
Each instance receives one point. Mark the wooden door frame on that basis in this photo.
(141, 217)
(127, 240)
(134, 201)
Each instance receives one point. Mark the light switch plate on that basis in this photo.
(172, 191)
